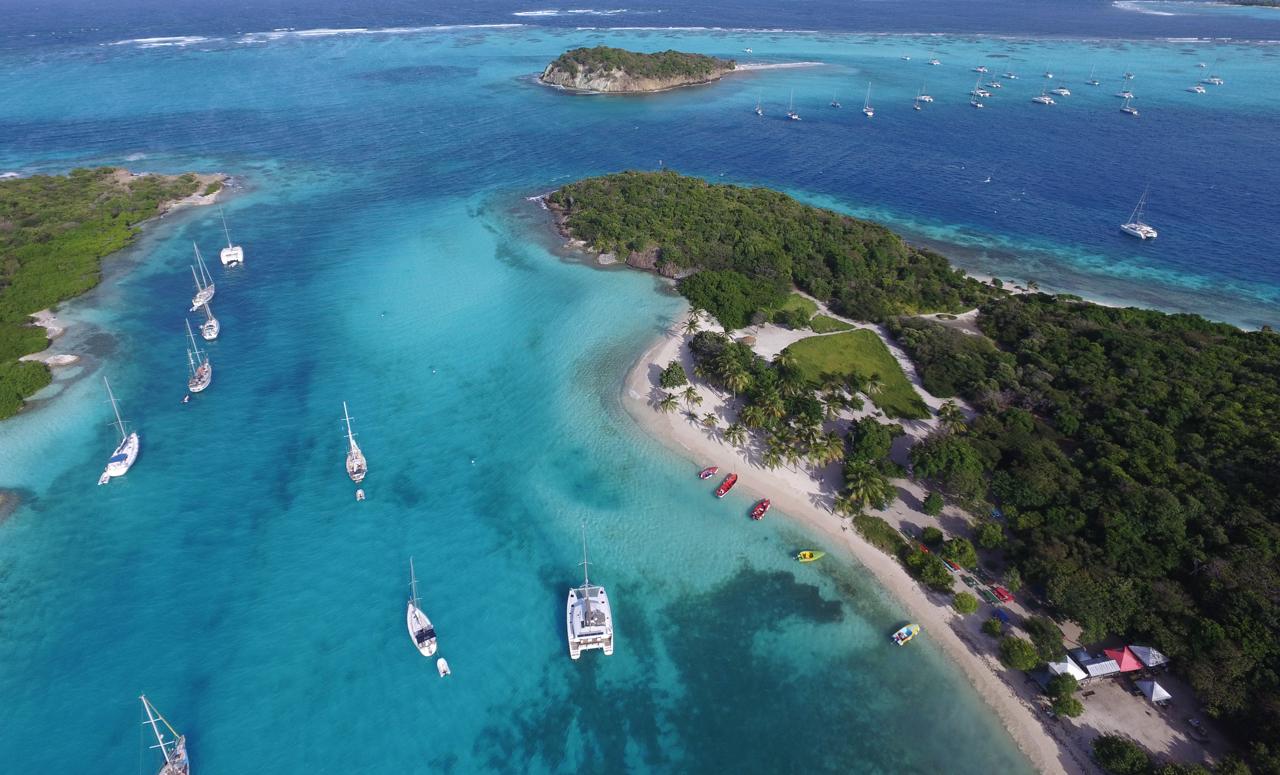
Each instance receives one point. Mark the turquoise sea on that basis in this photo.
(394, 262)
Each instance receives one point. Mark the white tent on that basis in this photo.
(1069, 667)
(1149, 656)
(1154, 691)
(1102, 668)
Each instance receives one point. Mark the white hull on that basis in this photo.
(201, 379)
(1139, 230)
(356, 466)
(586, 635)
(232, 255)
(420, 630)
(202, 298)
(210, 329)
(122, 459)
(442, 667)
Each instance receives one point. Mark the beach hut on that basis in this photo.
(1125, 659)
(1069, 667)
(1154, 691)
(1101, 668)
(1149, 656)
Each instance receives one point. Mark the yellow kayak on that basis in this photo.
(808, 556)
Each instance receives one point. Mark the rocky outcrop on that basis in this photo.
(621, 82)
(606, 70)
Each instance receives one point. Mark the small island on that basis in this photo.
(606, 70)
(54, 232)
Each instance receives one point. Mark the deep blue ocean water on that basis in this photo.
(394, 262)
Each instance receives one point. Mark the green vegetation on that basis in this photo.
(213, 188)
(796, 311)
(673, 376)
(661, 65)
(961, 552)
(993, 627)
(825, 324)
(931, 536)
(1133, 455)
(863, 354)
(933, 504)
(927, 567)
(1046, 636)
(879, 534)
(768, 240)
(1062, 689)
(54, 231)
(1120, 756)
(964, 603)
(989, 535)
(1018, 653)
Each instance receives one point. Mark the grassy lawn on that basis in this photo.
(863, 353)
(822, 324)
(796, 301)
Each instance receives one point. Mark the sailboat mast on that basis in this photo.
(114, 408)
(153, 716)
(585, 581)
(196, 277)
(204, 270)
(413, 584)
(195, 348)
(224, 226)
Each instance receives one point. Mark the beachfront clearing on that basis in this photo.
(825, 324)
(862, 353)
(798, 303)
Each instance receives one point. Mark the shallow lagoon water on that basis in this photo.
(394, 262)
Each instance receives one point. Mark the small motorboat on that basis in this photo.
(708, 472)
(760, 509)
(443, 667)
(726, 485)
(904, 635)
(809, 556)
(359, 495)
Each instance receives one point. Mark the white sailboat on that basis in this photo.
(915, 104)
(791, 107)
(924, 93)
(198, 364)
(126, 452)
(356, 466)
(1127, 108)
(174, 748)
(1061, 91)
(1043, 99)
(835, 103)
(759, 110)
(231, 255)
(204, 283)
(588, 618)
(1135, 227)
(210, 328)
(1093, 81)
(420, 629)
(867, 110)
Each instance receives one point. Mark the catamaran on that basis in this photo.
(1043, 99)
(1012, 76)
(867, 110)
(1125, 94)
(924, 93)
(1135, 226)
(588, 619)
(1196, 89)
(1061, 91)
(126, 452)
(935, 62)
(1093, 81)
(1213, 80)
(791, 107)
(231, 254)
(204, 283)
(980, 69)
(198, 364)
(835, 103)
(1127, 108)
(420, 629)
(210, 328)
(175, 749)
(356, 466)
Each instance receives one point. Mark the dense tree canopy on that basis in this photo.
(661, 64)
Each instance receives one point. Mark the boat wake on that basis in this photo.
(556, 12)
(319, 32)
(776, 66)
(1141, 6)
(176, 40)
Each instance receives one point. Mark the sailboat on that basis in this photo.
(210, 327)
(1127, 108)
(973, 100)
(791, 107)
(356, 466)
(588, 618)
(204, 283)
(867, 110)
(915, 104)
(759, 110)
(231, 254)
(126, 452)
(198, 364)
(1135, 227)
(835, 103)
(924, 93)
(1093, 81)
(420, 629)
(175, 749)
(1043, 99)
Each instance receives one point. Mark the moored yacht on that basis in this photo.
(588, 618)
(1127, 108)
(174, 749)
(924, 93)
(1196, 89)
(1135, 227)
(791, 107)
(1010, 76)
(980, 69)
(759, 111)
(1048, 74)
(126, 451)
(1061, 91)
(204, 283)
(420, 629)
(232, 254)
(935, 62)
(1128, 76)
(835, 103)
(1093, 81)
(1213, 80)
(1043, 99)
(210, 328)
(356, 465)
(867, 110)
(198, 364)
(1125, 94)
(995, 85)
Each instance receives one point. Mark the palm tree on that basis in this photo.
(785, 360)
(827, 448)
(691, 397)
(735, 434)
(845, 504)
(794, 384)
(710, 421)
(753, 416)
(951, 417)
(866, 485)
(693, 325)
(668, 403)
(772, 458)
(737, 379)
(873, 385)
(770, 402)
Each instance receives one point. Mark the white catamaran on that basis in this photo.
(127, 451)
(204, 283)
(174, 749)
(588, 619)
(356, 466)
(867, 110)
(1135, 227)
(791, 107)
(420, 629)
(198, 364)
(231, 255)
(210, 328)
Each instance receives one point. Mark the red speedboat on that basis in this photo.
(726, 485)
(760, 509)
(708, 472)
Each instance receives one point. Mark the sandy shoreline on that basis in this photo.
(806, 497)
